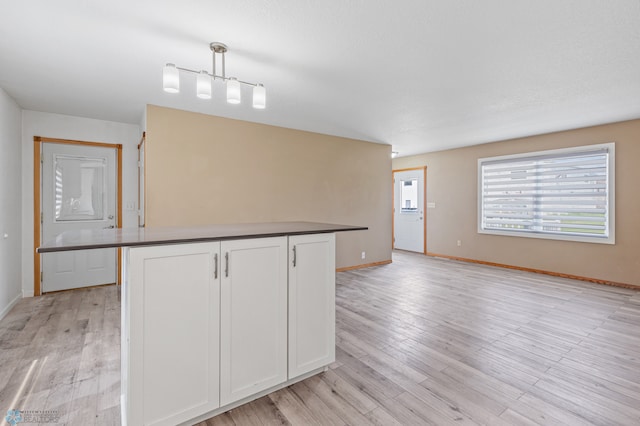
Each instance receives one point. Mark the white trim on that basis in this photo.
(610, 147)
(8, 308)
(539, 235)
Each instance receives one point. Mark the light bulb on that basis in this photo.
(170, 79)
(259, 97)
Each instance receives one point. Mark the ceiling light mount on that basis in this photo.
(171, 79)
(218, 47)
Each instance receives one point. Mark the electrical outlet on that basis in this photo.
(364, 254)
(459, 243)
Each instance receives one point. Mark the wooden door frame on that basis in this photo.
(424, 207)
(142, 150)
(37, 161)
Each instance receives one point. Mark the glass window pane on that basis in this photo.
(409, 196)
(79, 188)
(562, 194)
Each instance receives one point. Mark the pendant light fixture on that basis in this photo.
(259, 97)
(171, 79)
(204, 79)
(233, 91)
(203, 85)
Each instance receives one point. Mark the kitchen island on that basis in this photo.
(217, 316)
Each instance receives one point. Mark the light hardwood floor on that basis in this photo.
(419, 341)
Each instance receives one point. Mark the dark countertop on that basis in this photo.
(132, 237)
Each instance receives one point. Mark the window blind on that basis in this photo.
(558, 193)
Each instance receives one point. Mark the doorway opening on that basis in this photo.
(77, 185)
(409, 215)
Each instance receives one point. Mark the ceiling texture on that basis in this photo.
(420, 75)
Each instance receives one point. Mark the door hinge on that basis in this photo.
(41, 276)
(41, 158)
(41, 217)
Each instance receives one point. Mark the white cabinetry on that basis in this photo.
(170, 333)
(311, 302)
(209, 326)
(253, 317)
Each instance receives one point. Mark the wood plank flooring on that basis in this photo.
(422, 341)
(60, 353)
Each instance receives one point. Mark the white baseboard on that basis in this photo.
(11, 304)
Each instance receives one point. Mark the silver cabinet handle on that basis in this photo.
(294, 256)
(215, 261)
(226, 264)
(109, 227)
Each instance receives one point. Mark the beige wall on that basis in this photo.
(452, 184)
(203, 169)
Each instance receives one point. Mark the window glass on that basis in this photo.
(563, 194)
(80, 188)
(409, 196)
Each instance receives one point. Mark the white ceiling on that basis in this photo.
(421, 75)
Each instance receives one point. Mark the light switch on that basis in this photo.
(431, 205)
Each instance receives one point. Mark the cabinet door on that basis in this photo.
(312, 274)
(253, 320)
(173, 300)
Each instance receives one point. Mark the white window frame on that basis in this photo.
(610, 213)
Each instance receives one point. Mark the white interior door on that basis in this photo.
(78, 190)
(408, 210)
